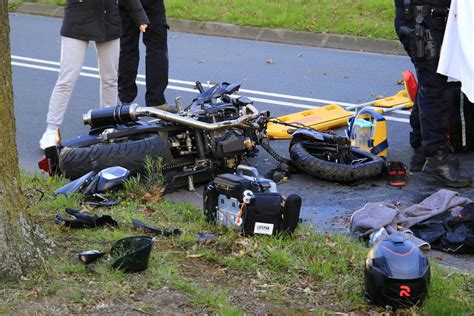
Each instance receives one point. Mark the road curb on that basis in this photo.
(346, 42)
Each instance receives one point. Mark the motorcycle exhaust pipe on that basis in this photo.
(131, 113)
(120, 114)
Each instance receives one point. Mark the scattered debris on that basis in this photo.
(206, 238)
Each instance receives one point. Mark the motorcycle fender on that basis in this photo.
(305, 133)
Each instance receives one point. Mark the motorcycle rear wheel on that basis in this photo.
(337, 172)
(75, 161)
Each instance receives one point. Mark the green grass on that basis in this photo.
(296, 273)
(371, 18)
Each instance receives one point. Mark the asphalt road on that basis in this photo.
(282, 78)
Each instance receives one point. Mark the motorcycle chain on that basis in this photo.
(177, 165)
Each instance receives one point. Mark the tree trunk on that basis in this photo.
(21, 245)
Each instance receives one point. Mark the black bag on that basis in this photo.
(210, 196)
(264, 214)
(268, 213)
(461, 126)
(232, 185)
(271, 214)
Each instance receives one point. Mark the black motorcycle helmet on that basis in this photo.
(397, 273)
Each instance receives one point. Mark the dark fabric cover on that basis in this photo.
(448, 232)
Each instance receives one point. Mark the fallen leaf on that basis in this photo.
(148, 211)
(87, 209)
(195, 256)
(307, 290)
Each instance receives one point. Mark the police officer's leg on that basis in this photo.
(435, 111)
(129, 58)
(418, 158)
(156, 42)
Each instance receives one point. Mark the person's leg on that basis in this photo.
(107, 60)
(418, 158)
(129, 59)
(73, 53)
(435, 109)
(157, 64)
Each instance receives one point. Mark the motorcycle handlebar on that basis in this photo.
(131, 113)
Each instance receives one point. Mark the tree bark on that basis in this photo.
(21, 244)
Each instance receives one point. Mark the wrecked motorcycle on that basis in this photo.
(332, 157)
(210, 136)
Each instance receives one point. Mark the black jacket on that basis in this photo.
(98, 20)
(441, 3)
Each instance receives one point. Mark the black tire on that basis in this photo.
(337, 172)
(77, 161)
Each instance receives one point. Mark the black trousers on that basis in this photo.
(435, 97)
(415, 134)
(156, 65)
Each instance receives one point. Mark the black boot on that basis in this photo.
(441, 168)
(417, 160)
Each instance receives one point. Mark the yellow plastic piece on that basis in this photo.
(322, 118)
(378, 134)
(400, 98)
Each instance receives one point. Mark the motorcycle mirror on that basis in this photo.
(231, 88)
(111, 177)
(75, 185)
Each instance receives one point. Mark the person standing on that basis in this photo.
(156, 63)
(418, 158)
(421, 26)
(85, 21)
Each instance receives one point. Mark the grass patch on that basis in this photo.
(371, 18)
(232, 275)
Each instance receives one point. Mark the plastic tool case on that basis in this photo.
(249, 202)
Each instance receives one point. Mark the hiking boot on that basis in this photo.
(441, 168)
(166, 107)
(418, 160)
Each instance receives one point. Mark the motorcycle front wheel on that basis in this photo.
(364, 164)
(78, 159)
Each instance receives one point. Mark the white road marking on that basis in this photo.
(247, 91)
(178, 88)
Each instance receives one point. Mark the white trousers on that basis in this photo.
(73, 52)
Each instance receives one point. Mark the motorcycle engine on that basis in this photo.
(228, 144)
